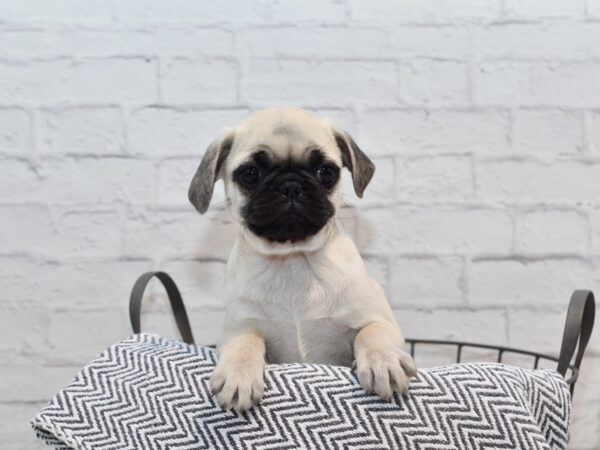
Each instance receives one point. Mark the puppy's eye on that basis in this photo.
(326, 174)
(250, 175)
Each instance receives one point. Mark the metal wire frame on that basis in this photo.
(501, 351)
(579, 324)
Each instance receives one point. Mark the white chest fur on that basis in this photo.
(297, 301)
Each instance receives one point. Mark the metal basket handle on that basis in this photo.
(578, 329)
(137, 294)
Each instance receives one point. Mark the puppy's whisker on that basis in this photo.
(348, 213)
(347, 208)
(341, 224)
(221, 203)
(346, 219)
(218, 206)
(221, 208)
(348, 200)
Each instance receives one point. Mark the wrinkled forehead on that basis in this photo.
(283, 141)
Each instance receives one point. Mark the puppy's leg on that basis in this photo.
(382, 366)
(238, 379)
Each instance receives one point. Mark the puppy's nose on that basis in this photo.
(291, 189)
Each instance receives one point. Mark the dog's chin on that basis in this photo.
(291, 226)
(280, 246)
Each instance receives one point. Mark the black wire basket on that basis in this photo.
(576, 335)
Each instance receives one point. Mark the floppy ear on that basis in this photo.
(359, 165)
(209, 171)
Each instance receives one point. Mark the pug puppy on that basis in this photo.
(297, 289)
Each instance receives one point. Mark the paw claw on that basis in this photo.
(237, 387)
(385, 372)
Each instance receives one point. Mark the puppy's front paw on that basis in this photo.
(238, 385)
(385, 371)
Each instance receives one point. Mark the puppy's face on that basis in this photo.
(281, 169)
(286, 198)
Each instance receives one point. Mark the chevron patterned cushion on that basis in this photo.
(150, 392)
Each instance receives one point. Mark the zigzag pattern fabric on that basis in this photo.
(150, 392)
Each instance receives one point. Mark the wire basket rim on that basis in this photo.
(501, 349)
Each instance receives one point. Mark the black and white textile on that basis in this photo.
(150, 392)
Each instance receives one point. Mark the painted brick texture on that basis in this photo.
(482, 116)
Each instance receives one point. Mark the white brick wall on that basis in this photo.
(483, 117)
